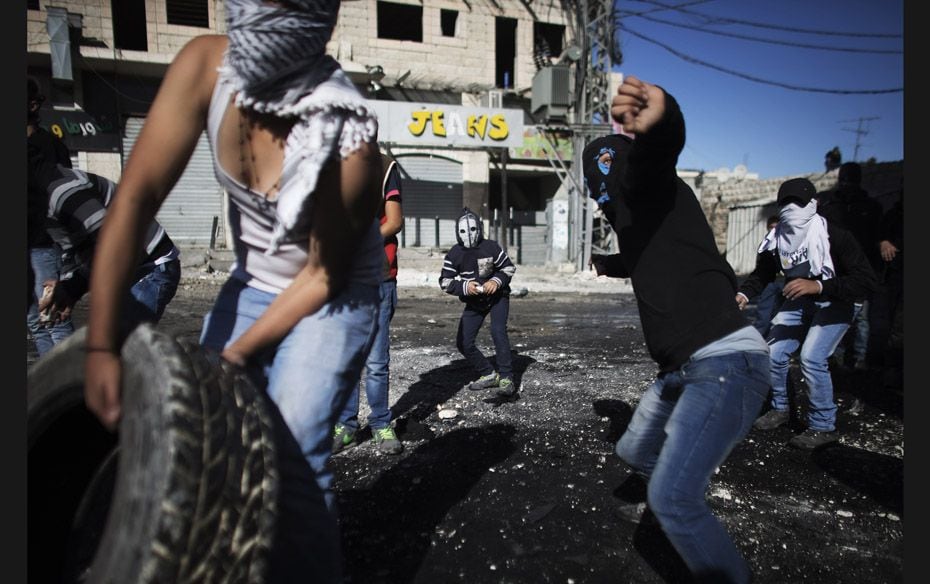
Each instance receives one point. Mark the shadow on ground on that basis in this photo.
(394, 519)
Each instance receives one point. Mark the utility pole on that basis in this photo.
(596, 30)
(859, 131)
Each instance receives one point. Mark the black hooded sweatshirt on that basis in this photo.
(685, 289)
(481, 263)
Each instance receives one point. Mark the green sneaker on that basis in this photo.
(386, 440)
(506, 388)
(343, 438)
(486, 381)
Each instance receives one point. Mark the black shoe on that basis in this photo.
(812, 439)
(771, 419)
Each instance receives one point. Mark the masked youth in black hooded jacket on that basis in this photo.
(683, 286)
(478, 271)
(713, 365)
(475, 259)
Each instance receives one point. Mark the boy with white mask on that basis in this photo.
(478, 271)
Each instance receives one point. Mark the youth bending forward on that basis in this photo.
(713, 365)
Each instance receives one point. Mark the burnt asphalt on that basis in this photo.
(530, 491)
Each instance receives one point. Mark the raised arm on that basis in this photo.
(656, 120)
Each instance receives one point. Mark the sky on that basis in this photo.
(751, 103)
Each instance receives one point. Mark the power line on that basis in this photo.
(721, 19)
(769, 41)
(697, 61)
(661, 9)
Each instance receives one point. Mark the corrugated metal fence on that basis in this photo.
(745, 230)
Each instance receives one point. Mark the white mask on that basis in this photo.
(469, 230)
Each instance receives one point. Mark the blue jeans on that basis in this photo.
(377, 369)
(154, 288)
(817, 327)
(308, 376)
(767, 305)
(46, 264)
(684, 427)
(472, 318)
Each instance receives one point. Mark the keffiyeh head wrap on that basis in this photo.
(801, 238)
(278, 64)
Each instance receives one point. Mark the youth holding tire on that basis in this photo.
(188, 489)
(295, 149)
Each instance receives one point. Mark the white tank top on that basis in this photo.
(252, 218)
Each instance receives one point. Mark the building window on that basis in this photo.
(402, 22)
(129, 25)
(505, 53)
(547, 41)
(447, 21)
(32, 4)
(188, 13)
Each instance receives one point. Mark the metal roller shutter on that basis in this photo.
(432, 187)
(196, 200)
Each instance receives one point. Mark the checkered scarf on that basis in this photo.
(278, 65)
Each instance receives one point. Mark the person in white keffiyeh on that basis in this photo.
(294, 146)
(827, 277)
(801, 241)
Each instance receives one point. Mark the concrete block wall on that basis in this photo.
(105, 164)
(439, 62)
(881, 180)
(164, 40)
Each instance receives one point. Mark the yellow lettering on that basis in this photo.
(56, 129)
(419, 122)
(439, 128)
(477, 125)
(499, 129)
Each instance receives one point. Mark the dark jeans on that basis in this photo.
(768, 304)
(886, 341)
(471, 321)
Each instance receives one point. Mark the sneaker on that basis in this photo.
(771, 419)
(506, 388)
(386, 440)
(486, 381)
(811, 439)
(343, 438)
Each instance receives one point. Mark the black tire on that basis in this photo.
(187, 490)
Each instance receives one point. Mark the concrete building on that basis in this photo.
(451, 82)
(455, 85)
